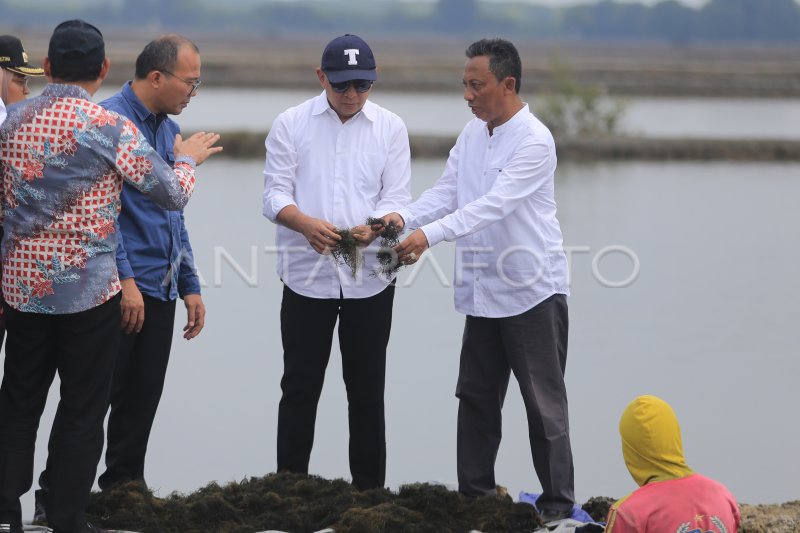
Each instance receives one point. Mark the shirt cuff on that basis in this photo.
(407, 217)
(124, 270)
(434, 232)
(186, 159)
(275, 205)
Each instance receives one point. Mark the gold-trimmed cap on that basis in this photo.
(14, 58)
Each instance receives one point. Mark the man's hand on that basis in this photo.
(199, 146)
(410, 250)
(320, 234)
(195, 315)
(396, 219)
(365, 234)
(132, 305)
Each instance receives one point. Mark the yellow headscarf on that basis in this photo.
(651, 441)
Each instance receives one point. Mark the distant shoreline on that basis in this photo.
(427, 63)
(250, 145)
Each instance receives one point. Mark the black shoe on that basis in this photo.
(39, 512)
(10, 528)
(553, 515)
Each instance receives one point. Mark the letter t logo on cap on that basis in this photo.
(351, 53)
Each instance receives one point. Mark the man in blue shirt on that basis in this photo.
(155, 263)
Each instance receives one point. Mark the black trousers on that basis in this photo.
(81, 347)
(532, 345)
(139, 374)
(136, 392)
(307, 326)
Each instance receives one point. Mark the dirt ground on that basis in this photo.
(305, 504)
(783, 518)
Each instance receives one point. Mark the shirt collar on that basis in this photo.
(141, 111)
(510, 123)
(321, 105)
(66, 90)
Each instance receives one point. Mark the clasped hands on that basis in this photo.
(323, 236)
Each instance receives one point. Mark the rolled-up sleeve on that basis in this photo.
(396, 179)
(279, 168)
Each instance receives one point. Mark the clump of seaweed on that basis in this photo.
(303, 504)
(347, 251)
(598, 507)
(388, 263)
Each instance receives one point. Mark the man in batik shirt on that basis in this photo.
(64, 162)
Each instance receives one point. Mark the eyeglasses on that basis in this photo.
(22, 81)
(361, 86)
(193, 84)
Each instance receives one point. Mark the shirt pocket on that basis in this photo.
(490, 176)
(369, 167)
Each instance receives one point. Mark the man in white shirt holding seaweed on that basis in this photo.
(332, 162)
(496, 200)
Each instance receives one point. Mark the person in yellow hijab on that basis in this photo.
(671, 498)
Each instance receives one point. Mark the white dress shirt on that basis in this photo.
(496, 200)
(339, 172)
(2, 111)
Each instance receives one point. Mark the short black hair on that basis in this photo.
(503, 57)
(74, 72)
(161, 54)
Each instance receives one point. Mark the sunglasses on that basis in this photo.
(361, 86)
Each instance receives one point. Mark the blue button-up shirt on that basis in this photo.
(153, 245)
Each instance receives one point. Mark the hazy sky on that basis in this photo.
(558, 3)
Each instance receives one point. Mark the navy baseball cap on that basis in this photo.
(348, 58)
(76, 42)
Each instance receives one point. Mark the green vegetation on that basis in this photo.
(576, 110)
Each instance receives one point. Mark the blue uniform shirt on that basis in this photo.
(153, 245)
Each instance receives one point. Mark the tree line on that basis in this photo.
(766, 21)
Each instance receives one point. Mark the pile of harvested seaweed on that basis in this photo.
(300, 503)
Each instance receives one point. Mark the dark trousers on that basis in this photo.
(532, 345)
(81, 347)
(307, 326)
(139, 374)
(136, 392)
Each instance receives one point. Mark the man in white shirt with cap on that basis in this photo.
(332, 162)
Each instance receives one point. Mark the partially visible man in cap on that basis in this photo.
(15, 70)
(14, 73)
(155, 263)
(332, 162)
(64, 162)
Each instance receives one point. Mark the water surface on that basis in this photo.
(709, 324)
